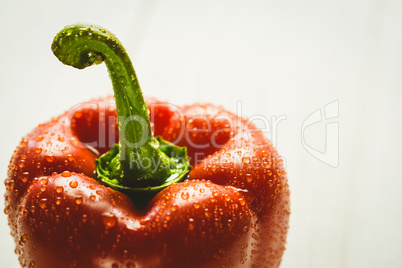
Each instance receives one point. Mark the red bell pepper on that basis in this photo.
(139, 205)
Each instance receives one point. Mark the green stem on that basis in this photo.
(138, 162)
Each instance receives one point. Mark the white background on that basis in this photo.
(279, 58)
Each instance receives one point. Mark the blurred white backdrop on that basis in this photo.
(281, 59)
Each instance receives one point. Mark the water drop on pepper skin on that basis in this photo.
(24, 177)
(49, 158)
(66, 174)
(73, 184)
(109, 220)
(58, 200)
(23, 238)
(173, 208)
(59, 189)
(78, 200)
(185, 195)
(43, 203)
(191, 224)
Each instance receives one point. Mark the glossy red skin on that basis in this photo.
(232, 211)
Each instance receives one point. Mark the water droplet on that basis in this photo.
(50, 158)
(11, 184)
(66, 174)
(61, 139)
(109, 220)
(23, 238)
(21, 164)
(78, 200)
(78, 114)
(173, 208)
(67, 211)
(38, 150)
(70, 157)
(58, 200)
(242, 201)
(24, 177)
(206, 213)
(185, 195)
(249, 178)
(39, 138)
(191, 224)
(92, 197)
(22, 208)
(7, 209)
(73, 184)
(42, 203)
(117, 66)
(196, 205)
(15, 192)
(246, 160)
(44, 181)
(24, 143)
(59, 189)
(122, 80)
(32, 264)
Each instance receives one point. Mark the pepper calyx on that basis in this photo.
(109, 173)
